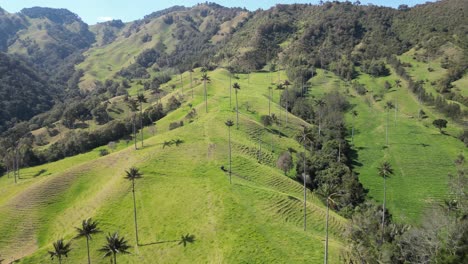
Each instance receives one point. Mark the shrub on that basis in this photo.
(103, 152)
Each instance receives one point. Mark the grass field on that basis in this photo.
(420, 155)
(256, 219)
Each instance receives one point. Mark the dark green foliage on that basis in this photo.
(61, 249)
(103, 152)
(266, 120)
(285, 162)
(134, 71)
(115, 245)
(173, 103)
(440, 123)
(360, 88)
(375, 68)
(23, 93)
(451, 110)
(148, 57)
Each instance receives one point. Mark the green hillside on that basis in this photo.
(183, 191)
(357, 92)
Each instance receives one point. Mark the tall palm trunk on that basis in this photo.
(237, 111)
(325, 260)
(206, 96)
(305, 194)
(115, 258)
(134, 131)
(386, 130)
(230, 91)
(287, 105)
(280, 115)
(383, 207)
(87, 246)
(141, 123)
(135, 211)
(230, 157)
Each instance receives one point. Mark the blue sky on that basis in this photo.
(93, 11)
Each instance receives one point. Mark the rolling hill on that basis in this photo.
(391, 72)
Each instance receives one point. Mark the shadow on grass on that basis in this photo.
(184, 241)
(353, 155)
(277, 132)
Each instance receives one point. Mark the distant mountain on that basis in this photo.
(23, 92)
(340, 37)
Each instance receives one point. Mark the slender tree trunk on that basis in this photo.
(230, 158)
(115, 258)
(87, 246)
(141, 123)
(134, 131)
(230, 91)
(206, 97)
(386, 130)
(305, 194)
(325, 260)
(287, 105)
(280, 115)
(383, 207)
(135, 212)
(237, 110)
(60, 259)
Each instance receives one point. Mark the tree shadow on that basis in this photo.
(39, 173)
(184, 241)
(353, 155)
(277, 132)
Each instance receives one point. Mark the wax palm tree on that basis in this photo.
(88, 229)
(229, 124)
(133, 106)
(141, 99)
(385, 170)
(303, 139)
(389, 105)
(115, 245)
(236, 86)
(60, 250)
(398, 83)
(205, 78)
(133, 174)
(327, 191)
(320, 104)
(191, 81)
(230, 89)
(280, 87)
(354, 114)
(286, 84)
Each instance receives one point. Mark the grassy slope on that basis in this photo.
(257, 219)
(420, 155)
